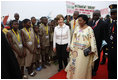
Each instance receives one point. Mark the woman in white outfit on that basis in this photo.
(61, 41)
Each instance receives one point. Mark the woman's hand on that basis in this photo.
(31, 51)
(67, 49)
(34, 51)
(42, 47)
(71, 50)
(91, 53)
(54, 49)
(20, 54)
(24, 52)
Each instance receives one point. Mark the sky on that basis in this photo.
(27, 9)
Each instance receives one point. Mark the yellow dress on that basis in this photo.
(80, 66)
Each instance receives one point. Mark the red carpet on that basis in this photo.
(102, 72)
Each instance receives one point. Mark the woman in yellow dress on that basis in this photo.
(80, 65)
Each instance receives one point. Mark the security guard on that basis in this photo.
(112, 43)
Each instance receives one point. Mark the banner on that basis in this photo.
(70, 7)
(83, 9)
(104, 11)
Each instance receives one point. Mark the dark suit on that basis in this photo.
(108, 22)
(9, 66)
(20, 25)
(99, 35)
(112, 56)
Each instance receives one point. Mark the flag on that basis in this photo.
(5, 19)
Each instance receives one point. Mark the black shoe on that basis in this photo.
(48, 64)
(93, 73)
(102, 62)
(43, 66)
(59, 70)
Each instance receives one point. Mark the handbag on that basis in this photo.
(87, 51)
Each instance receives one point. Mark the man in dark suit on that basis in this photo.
(111, 38)
(98, 26)
(16, 16)
(105, 47)
(9, 65)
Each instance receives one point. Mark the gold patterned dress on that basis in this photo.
(29, 39)
(18, 45)
(80, 66)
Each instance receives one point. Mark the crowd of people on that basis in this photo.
(76, 41)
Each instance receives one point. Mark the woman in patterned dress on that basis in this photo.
(80, 66)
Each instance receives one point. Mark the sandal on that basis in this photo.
(25, 77)
(39, 68)
(33, 74)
